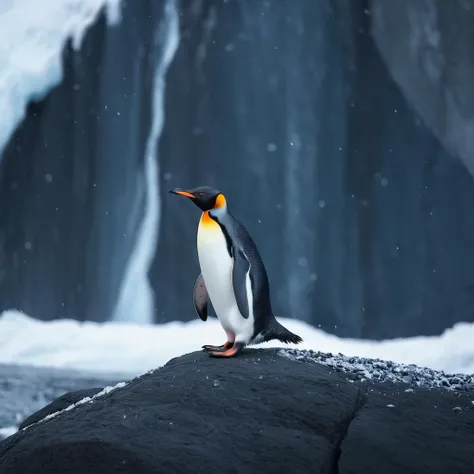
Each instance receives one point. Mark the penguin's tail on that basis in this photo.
(279, 332)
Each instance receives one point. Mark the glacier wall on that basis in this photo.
(361, 212)
(74, 174)
(31, 44)
(432, 66)
(316, 120)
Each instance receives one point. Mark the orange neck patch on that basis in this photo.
(220, 201)
(207, 221)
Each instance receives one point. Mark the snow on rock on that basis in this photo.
(5, 432)
(103, 392)
(32, 37)
(362, 368)
(133, 349)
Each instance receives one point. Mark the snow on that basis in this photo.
(10, 430)
(7, 431)
(361, 368)
(132, 349)
(135, 286)
(104, 391)
(32, 37)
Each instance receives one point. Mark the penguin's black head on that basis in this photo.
(205, 197)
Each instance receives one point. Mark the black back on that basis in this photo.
(238, 238)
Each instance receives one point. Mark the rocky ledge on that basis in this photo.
(268, 410)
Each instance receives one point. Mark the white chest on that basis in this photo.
(216, 268)
(216, 265)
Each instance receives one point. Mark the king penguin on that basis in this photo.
(233, 277)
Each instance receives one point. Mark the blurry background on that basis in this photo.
(341, 132)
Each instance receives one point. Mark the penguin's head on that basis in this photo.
(205, 197)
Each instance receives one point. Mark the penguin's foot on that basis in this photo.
(222, 348)
(234, 350)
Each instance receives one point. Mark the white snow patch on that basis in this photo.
(103, 392)
(136, 301)
(132, 349)
(8, 431)
(32, 36)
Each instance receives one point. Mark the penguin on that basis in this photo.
(233, 277)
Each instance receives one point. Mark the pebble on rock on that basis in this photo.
(360, 368)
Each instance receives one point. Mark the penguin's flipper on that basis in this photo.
(239, 282)
(200, 297)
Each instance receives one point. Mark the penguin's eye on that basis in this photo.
(201, 194)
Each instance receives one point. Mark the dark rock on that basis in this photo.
(428, 48)
(418, 434)
(259, 412)
(59, 404)
(25, 390)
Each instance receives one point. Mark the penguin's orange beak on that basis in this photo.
(181, 192)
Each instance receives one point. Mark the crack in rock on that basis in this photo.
(333, 465)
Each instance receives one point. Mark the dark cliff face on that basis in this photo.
(358, 210)
(71, 177)
(305, 113)
(433, 64)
